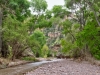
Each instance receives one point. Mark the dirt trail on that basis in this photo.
(66, 67)
(18, 70)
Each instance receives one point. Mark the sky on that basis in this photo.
(51, 3)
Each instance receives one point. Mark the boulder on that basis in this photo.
(28, 52)
(4, 63)
(61, 56)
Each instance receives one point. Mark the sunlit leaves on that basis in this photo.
(37, 41)
(48, 14)
(39, 5)
(59, 11)
(14, 30)
(67, 26)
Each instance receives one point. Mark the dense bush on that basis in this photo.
(44, 51)
(36, 42)
(90, 37)
(14, 36)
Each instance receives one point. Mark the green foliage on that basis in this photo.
(18, 27)
(86, 24)
(59, 11)
(15, 35)
(44, 23)
(44, 51)
(68, 47)
(39, 6)
(35, 22)
(48, 14)
(55, 21)
(13, 29)
(67, 26)
(50, 52)
(19, 8)
(82, 31)
(39, 36)
(29, 59)
(90, 36)
(14, 13)
(37, 41)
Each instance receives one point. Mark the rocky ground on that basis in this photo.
(21, 69)
(66, 67)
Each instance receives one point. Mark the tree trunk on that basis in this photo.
(0, 30)
(4, 50)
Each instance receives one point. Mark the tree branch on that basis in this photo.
(91, 6)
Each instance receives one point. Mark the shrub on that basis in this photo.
(44, 51)
(36, 42)
(29, 59)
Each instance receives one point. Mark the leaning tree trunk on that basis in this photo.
(0, 30)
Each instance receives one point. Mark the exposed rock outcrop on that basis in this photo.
(28, 52)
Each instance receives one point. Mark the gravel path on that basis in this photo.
(20, 69)
(66, 67)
